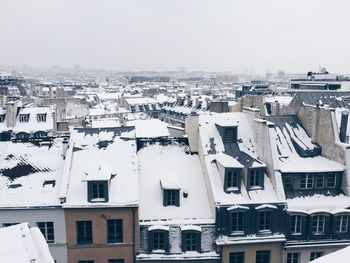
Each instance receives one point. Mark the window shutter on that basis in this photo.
(106, 190)
(199, 245)
(89, 191)
(183, 241)
(178, 198)
(166, 241)
(261, 177)
(150, 242)
(164, 197)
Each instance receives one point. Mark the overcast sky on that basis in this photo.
(215, 35)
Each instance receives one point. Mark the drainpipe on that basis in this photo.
(343, 125)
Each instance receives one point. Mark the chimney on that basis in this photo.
(343, 125)
(11, 113)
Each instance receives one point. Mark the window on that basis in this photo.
(23, 117)
(22, 135)
(2, 117)
(47, 230)
(120, 260)
(255, 178)
(236, 257)
(158, 240)
(40, 134)
(318, 224)
(265, 221)
(191, 241)
(293, 258)
(314, 255)
(84, 232)
(288, 182)
(295, 224)
(86, 261)
(306, 181)
(262, 256)
(97, 191)
(232, 179)
(331, 180)
(115, 231)
(237, 222)
(41, 117)
(341, 224)
(171, 197)
(319, 181)
(230, 135)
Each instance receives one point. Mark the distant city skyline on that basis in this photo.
(162, 35)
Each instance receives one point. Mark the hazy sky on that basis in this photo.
(215, 35)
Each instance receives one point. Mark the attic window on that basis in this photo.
(23, 117)
(2, 117)
(230, 134)
(232, 180)
(14, 186)
(97, 191)
(171, 197)
(256, 179)
(41, 117)
(49, 182)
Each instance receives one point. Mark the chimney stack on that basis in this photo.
(343, 125)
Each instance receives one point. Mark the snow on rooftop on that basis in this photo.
(158, 163)
(33, 125)
(30, 174)
(150, 128)
(19, 243)
(307, 204)
(282, 100)
(142, 100)
(103, 154)
(337, 256)
(286, 157)
(214, 149)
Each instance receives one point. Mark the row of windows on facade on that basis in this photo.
(311, 181)
(297, 223)
(233, 179)
(83, 230)
(40, 117)
(264, 256)
(24, 135)
(159, 241)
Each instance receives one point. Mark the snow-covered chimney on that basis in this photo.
(11, 113)
(343, 125)
(192, 131)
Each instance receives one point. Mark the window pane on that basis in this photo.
(115, 231)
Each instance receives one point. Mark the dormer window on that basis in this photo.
(256, 178)
(2, 117)
(229, 134)
(232, 180)
(41, 117)
(171, 197)
(97, 191)
(23, 117)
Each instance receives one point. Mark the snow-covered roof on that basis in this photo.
(293, 150)
(244, 155)
(150, 128)
(283, 100)
(33, 125)
(337, 256)
(329, 204)
(30, 173)
(172, 163)
(101, 154)
(19, 243)
(142, 100)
